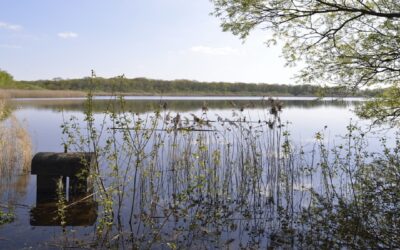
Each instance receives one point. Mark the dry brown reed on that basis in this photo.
(15, 155)
(23, 93)
(3, 108)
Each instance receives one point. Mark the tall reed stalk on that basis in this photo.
(168, 180)
(15, 157)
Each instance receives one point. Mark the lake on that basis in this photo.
(306, 115)
(301, 117)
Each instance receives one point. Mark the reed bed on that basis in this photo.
(22, 93)
(15, 157)
(3, 108)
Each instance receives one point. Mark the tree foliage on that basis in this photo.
(385, 109)
(6, 79)
(348, 42)
(188, 87)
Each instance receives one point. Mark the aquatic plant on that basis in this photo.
(165, 180)
(4, 109)
(6, 217)
(15, 156)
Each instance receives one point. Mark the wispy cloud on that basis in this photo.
(10, 46)
(222, 51)
(67, 35)
(9, 26)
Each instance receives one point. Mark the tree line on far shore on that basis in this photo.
(176, 87)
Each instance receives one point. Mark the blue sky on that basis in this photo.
(161, 39)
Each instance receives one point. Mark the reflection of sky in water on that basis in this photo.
(44, 127)
(305, 117)
(43, 118)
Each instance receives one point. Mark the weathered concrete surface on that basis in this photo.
(61, 164)
(53, 169)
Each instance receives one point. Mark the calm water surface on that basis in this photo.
(305, 115)
(43, 117)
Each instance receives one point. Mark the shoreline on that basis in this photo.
(36, 94)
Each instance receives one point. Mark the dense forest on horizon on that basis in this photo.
(147, 86)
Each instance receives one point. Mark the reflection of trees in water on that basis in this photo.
(237, 184)
(244, 186)
(15, 156)
(141, 106)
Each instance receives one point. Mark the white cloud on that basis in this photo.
(10, 46)
(67, 35)
(9, 26)
(222, 51)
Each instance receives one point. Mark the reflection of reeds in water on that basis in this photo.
(188, 182)
(15, 157)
